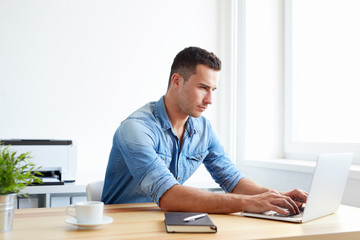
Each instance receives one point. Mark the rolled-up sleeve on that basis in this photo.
(219, 165)
(137, 143)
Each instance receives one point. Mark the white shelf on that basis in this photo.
(48, 195)
(67, 188)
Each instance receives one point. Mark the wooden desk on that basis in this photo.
(146, 221)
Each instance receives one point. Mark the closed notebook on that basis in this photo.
(174, 223)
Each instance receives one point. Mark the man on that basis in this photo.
(159, 146)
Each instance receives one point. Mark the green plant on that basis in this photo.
(16, 171)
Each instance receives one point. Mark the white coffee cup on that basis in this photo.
(87, 212)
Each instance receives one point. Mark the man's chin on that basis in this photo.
(196, 115)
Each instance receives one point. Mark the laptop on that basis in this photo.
(326, 190)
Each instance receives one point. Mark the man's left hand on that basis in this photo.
(299, 196)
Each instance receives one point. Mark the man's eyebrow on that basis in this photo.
(207, 86)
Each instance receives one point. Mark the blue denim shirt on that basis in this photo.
(146, 159)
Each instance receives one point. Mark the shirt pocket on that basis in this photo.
(165, 158)
(197, 156)
(194, 160)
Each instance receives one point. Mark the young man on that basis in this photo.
(159, 146)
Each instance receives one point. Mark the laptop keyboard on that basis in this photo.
(273, 213)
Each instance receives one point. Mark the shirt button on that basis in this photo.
(164, 159)
(178, 178)
(200, 157)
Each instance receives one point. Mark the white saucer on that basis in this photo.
(105, 220)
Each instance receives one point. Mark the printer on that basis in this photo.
(57, 158)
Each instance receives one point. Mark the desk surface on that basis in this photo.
(146, 221)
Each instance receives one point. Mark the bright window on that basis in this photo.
(322, 77)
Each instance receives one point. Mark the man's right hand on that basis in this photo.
(271, 200)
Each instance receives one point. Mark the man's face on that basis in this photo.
(195, 94)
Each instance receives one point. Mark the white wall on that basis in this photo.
(264, 79)
(74, 69)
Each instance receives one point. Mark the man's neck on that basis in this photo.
(176, 117)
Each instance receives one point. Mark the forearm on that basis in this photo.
(257, 199)
(246, 196)
(248, 187)
(183, 198)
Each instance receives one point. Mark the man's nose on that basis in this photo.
(208, 98)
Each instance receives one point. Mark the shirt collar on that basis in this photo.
(191, 126)
(161, 114)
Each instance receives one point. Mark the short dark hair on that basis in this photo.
(185, 62)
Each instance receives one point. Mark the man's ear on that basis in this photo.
(176, 80)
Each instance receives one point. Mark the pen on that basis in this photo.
(192, 218)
